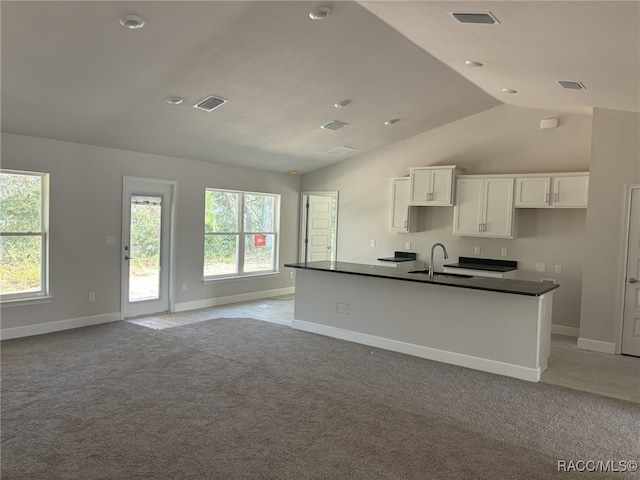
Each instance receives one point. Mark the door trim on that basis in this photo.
(625, 263)
(172, 237)
(303, 221)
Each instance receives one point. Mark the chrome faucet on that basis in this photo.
(446, 255)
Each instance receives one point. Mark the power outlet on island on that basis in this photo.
(342, 308)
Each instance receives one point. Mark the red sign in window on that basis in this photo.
(259, 240)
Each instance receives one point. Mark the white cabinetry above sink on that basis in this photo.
(484, 206)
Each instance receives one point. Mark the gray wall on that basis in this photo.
(86, 206)
(615, 162)
(505, 139)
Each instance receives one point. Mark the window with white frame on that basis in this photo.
(240, 233)
(24, 198)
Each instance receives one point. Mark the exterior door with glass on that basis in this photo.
(146, 246)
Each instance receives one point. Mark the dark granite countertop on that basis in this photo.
(487, 264)
(501, 285)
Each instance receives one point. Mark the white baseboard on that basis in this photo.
(462, 360)
(566, 331)
(40, 328)
(243, 297)
(596, 345)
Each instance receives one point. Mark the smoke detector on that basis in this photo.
(210, 103)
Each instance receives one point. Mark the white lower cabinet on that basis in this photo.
(403, 217)
(552, 191)
(484, 206)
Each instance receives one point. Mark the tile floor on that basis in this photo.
(605, 374)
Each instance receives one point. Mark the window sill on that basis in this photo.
(19, 302)
(207, 280)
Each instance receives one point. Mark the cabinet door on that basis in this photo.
(400, 205)
(420, 180)
(498, 208)
(441, 186)
(468, 210)
(533, 192)
(571, 191)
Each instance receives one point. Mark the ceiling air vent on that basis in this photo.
(572, 85)
(333, 125)
(486, 18)
(210, 103)
(336, 152)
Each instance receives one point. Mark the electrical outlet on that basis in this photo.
(558, 269)
(541, 267)
(92, 296)
(476, 250)
(504, 252)
(372, 243)
(290, 274)
(548, 280)
(184, 286)
(342, 308)
(407, 246)
(111, 239)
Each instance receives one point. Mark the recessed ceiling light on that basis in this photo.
(509, 90)
(473, 63)
(392, 121)
(132, 22)
(293, 172)
(174, 100)
(320, 13)
(342, 103)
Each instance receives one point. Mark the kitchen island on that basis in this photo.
(496, 325)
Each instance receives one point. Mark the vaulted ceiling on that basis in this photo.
(72, 72)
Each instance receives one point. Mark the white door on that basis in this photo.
(631, 322)
(319, 227)
(146, 246)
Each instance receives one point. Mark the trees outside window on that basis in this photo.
(23, 234)
(241, 233)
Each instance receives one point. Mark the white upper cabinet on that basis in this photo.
(432, 186)
(484, 207)
(552, 191)
(403, 218)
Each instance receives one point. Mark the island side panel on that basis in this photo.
(497, 327)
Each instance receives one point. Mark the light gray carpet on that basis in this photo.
(244, 399)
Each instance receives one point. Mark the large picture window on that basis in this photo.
(240, 233)
(23, 234)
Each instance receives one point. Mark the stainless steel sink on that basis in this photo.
(440, 274)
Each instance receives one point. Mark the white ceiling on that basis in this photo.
(71, 72)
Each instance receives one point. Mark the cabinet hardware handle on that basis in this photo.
(547, 198)
(633, 280)
(557, 197)
(405, 224)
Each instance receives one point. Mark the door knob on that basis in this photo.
(127, 257)
(633, 280)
